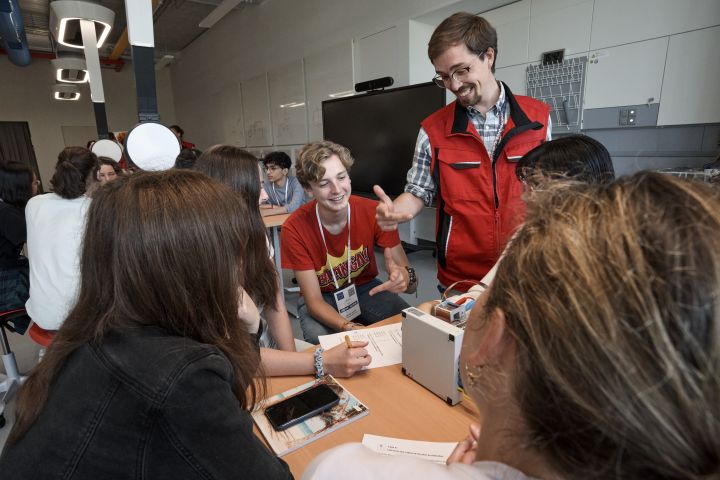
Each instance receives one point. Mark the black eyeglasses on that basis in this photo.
(459, 75)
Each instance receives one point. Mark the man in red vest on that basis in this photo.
(466, 154)
(179, 133)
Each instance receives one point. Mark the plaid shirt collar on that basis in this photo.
(496, 109)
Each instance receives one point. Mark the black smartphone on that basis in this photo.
(301, 406)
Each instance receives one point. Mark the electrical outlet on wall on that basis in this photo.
(628, 117)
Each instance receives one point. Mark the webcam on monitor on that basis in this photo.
(371, 85)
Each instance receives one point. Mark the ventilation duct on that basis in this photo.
(12, 33)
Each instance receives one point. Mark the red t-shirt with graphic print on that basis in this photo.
(302, 246)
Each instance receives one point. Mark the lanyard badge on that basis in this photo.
(346, 299)
(275, 195)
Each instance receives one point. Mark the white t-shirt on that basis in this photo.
(353, 461)
(55, 229)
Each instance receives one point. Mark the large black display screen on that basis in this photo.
(380, 129)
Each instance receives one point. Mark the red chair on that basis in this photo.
(41, 336)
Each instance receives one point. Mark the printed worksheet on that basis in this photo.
(436, 452)
(384, 343)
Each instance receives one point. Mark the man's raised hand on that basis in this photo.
(385, 214)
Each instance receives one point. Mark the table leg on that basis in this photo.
(278, 265)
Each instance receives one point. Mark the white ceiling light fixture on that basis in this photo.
(70, 69)
(66, 91)
(66, 17)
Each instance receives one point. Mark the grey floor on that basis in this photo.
(26, 351)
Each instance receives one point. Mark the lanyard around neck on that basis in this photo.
(275, 197)
(327, 252)
(498, 137)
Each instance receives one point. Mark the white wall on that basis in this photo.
(260, 39)
(26, 96)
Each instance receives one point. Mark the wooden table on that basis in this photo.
(273, 223)
(399, 408)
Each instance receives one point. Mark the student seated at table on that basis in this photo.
(285, 194)
(108, 170)
(155, 368)
(595, 352)
(55, 223)
(238, 169)
(575, 157)
(330, 243)
(17, 186)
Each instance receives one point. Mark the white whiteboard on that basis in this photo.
(256, 111)
(626, 75)
(287, 104)
(225, 109)
(328, 74)
(696, 73)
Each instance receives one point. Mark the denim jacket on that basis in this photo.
(142, 405)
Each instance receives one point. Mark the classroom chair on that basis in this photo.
(12, 379)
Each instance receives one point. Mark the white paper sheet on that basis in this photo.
(384, 343)
(436, 452)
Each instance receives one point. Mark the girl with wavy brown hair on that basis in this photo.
(155, 368)
(595, 352)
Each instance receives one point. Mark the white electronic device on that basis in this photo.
(431, 352)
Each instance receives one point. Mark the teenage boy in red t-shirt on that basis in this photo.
(315, 244)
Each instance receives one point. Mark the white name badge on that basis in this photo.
(347, 302)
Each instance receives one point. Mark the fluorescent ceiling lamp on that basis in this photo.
(65, 16)
(66, 91)
(219, 12)
(70, 69)
(292, 105)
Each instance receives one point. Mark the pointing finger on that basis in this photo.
(382, 195)
(381, 288)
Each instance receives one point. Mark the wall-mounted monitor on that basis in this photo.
(380, 129)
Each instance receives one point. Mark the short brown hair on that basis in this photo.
(473, 31)
(611, 294)
(308, 168)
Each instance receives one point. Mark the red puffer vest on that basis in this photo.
(478, 198)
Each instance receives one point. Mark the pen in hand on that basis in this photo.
(348, 342)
